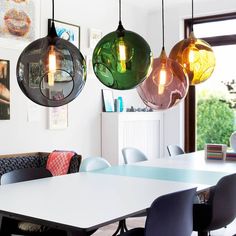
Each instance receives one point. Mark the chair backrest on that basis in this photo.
(24, 175)
(132, 155)
(171, 214)
(93, 163)
(175, 150)
(224, 202)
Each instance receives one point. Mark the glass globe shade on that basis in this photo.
(166, 86)
(197, 58)
(51, 71)
(122, 59)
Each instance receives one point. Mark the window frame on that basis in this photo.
(190, 100)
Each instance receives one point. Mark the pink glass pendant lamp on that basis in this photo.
(167, 84)
(196, 56)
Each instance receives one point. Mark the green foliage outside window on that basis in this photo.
(215, 122)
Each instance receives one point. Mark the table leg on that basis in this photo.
(121, 228)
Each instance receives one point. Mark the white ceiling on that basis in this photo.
(151, 5)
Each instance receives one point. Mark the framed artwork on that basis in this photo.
(58, 117)
(4, 90)
(94, 36)
(108, 101)
(67, 31)
(19, 22)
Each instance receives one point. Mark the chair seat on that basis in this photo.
(134, 232)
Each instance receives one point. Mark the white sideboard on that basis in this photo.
(143, 130)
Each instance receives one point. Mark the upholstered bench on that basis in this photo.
(11, 162)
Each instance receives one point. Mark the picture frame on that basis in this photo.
(58, 117)
(108, 100)
(67, 31)
(4, 89)
(13, 34)
(94, 36)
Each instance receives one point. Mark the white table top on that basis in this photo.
(84, 200)
(191, 161)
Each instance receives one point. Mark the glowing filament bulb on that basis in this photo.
(191, 56)
(162, 79)
(51, 65)
(122, 55)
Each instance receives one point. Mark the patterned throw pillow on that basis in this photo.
(58, 162)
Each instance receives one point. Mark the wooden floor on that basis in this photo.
(139, 222)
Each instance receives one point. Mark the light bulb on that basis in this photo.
(191, 56)
(162, 75)
(122, 57)
(51, 65)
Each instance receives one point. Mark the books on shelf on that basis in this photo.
(230, 156)
(215, 151)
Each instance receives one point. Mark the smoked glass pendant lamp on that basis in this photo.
(51, 71)
(167, 84)
(122, 59)
(196, 56)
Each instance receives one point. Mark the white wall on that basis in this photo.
(174, 18)
(84, 131)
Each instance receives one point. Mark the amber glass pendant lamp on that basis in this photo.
(167, 84)
(122, 59)
(51, 71)
(196, 56)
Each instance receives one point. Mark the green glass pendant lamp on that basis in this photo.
(167, 84)
(196, 56)
(122, 59)
(51, 71)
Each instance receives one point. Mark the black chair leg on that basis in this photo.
(121, 228)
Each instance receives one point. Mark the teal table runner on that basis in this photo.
(170, 174)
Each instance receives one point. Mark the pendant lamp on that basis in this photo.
(168, 83)
(51, 71)
(122, 59)
(196, 56)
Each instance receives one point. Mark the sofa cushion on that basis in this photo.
(9, 164)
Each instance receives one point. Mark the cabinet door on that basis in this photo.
(142, 134)
(141, 130)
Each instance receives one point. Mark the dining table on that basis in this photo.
(85, 201)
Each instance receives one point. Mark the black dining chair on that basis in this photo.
(174, 150)
(11, 226)
(25, 175)
(169, 215)
(219, 210)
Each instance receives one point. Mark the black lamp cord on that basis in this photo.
(53, 10)
(163, 26)
(119, 11)
(52, 33)
(120, 27)
(192, 17)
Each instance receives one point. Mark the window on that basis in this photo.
(220, 32)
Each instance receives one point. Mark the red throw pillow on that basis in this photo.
(58, 162)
